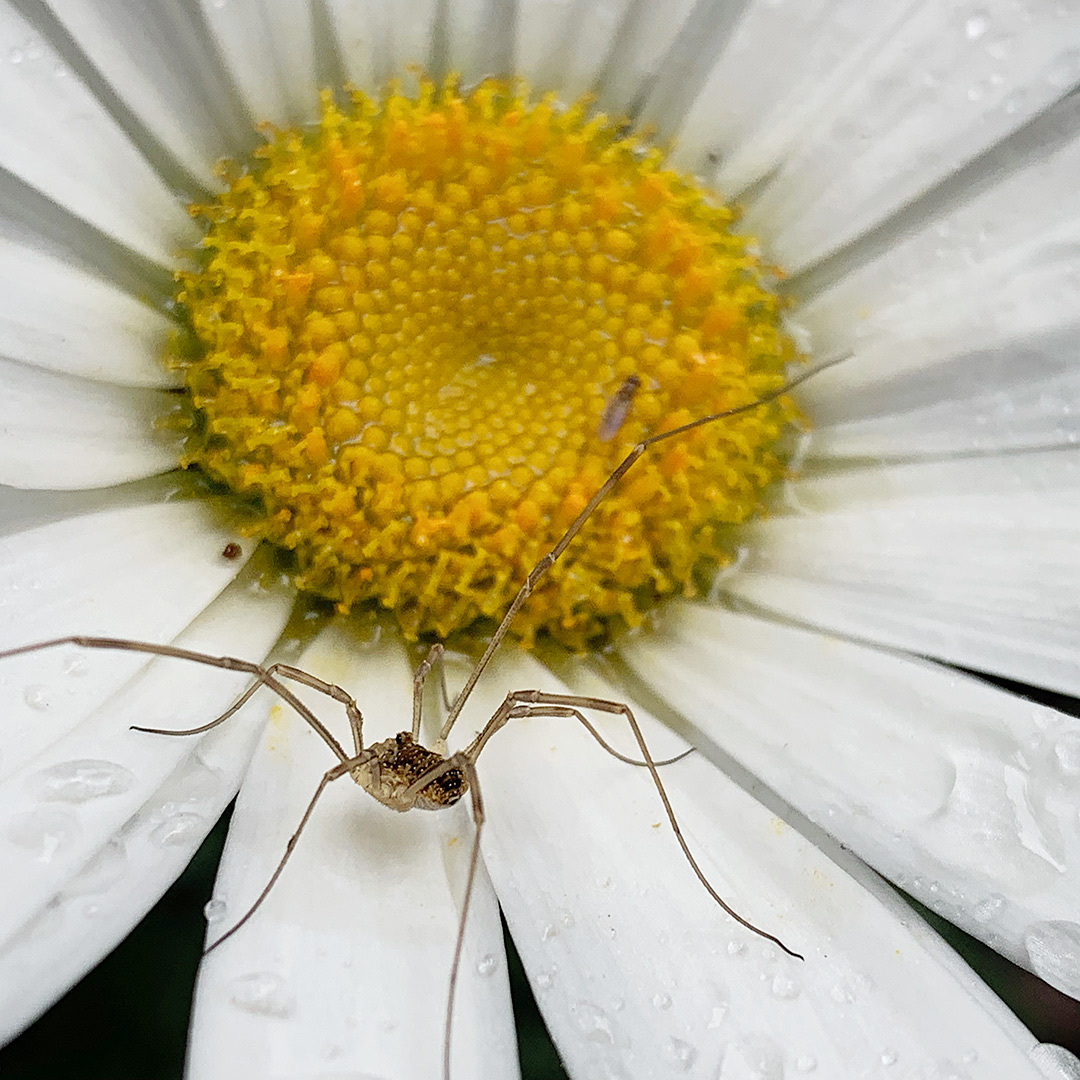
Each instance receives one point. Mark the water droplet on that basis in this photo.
(15, 56)
(1054, 950)
(978, 22)
(661, 1000)
(549, 931)
(841, 994)
(545, 980)
(92, 909)
(43, 832)
(1067, 752)
(178, 828)
(680, 1053)
(736, 948)
(806, 1063)
(37, 697)
(717, 1016)
(486, 965)
(970, 1057)
(262, 993)
(81, 781)
(593, 1022)
(214, 910)
(785, 988)
(567, 918)
(889, 1057)
(987, 908)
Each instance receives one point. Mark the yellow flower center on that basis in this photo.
(429, 328)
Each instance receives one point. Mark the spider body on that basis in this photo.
(395, 767)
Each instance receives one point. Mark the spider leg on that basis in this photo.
(263, 677)
(525, 703)
(334, 773)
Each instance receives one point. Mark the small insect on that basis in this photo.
(231, 550)
(617, 409)
(400, 772)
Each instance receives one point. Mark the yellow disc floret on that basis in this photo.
(430, 327)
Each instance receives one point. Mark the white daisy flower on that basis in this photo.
(913, 168)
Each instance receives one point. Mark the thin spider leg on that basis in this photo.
(226, 663)
(461, 761)
(332, 690)
(520, 712)
(430, 661)
(522, 703)
(356, 720)
(335, 773)
(545, 564)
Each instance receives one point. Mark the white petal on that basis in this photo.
(637, 970)
(942, 87)
(54, 315)
(350, 975)
(964, 333)
(102, 821)
(971, 561)
(141, 572)
(564, 47)
(59, 431)
(965, 796)
(59, 139)
(779, 70)
(638, 60)
(164, 69)
(269, 48)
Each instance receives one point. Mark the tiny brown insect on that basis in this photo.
(404, 775)
(617, 409)
(231, 550)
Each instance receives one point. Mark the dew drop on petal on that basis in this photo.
(987, 908)
(784, 988)
(661, 1001)
(1054, 950)
(38, 697)
(593, 1023)
(546, 980)
(487, 964)
(889, 1057)
(214, 910)
(977, 23)
(680, 1053)
(262, 993)
(43, 832)
(717, 1016)
(1067, 752)
(736, 948)
(806, 1063)
(81, 781)
(177, 828)
(549, 931)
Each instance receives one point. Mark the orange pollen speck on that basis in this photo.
(412, 322)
